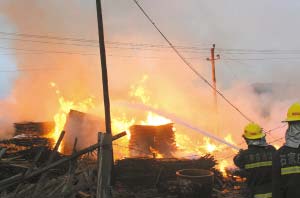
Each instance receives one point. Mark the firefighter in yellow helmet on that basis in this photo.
(286, 161)
(256, 161)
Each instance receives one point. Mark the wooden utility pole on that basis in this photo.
(213, 69)
(103, 67)
(214, 81)
(104, 166)
(105, 151)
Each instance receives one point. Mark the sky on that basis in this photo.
(7, 62)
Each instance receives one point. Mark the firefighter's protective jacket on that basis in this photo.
(257, 163)
(286, 173)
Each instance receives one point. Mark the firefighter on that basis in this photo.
(256, 161)
(286, 161)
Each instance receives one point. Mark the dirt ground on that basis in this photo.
(238, 190)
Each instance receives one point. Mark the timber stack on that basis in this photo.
(146, 140)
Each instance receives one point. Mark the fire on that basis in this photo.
(276, 146)
(155, 120)
(139, 91)
(156, 153)
(222, 166)
(188, 147)
(122, 124)
(65, 107)
(210, 147)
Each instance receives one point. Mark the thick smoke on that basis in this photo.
(172, 86)
(76, 75)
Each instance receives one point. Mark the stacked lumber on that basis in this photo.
(84, 126)
(33, 128)
(26, 142)
(147, 140)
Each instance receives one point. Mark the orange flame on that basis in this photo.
(187, 146)
(65, 107)
(155, 120)
(156, 153)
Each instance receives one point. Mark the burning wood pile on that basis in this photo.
(147, 140)
(33, 128)
(31, 166)
(28, 135)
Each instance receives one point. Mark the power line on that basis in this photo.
(31, 70)
(262, 59)
(93, 41)
(276, 140)
(110, 55)
(49, 37)
(187, 63)
(45, 51)
(276, 128)
(40, 51)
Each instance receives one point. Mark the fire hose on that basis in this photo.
(177, 121)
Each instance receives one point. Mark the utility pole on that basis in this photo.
(214, 80)
(105, 150)
(104, 68)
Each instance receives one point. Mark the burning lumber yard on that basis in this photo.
(34, 164)
(147, 99)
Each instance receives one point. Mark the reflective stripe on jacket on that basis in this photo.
(257, 163)
(286, 173)
(290, 170)
(266, 195)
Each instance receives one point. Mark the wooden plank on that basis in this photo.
(2, 152)
(99, 193)
(51, 158)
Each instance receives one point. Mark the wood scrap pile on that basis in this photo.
(79, 180)
(29, 135)
(20, 161)
(235, 184)
(25, 142)
(138, 174)
(33, 128)
(49, 174)
(41, 172)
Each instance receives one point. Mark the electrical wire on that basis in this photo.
(188, 64)
(95, 42)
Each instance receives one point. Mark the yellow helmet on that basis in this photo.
(253, 131)
(293, 113)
